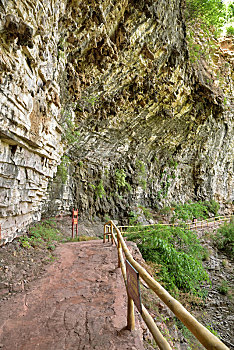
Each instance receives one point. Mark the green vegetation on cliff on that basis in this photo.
(42, 235)
(213, 13)
(205, 22)
(198, 210)
(224, 238)
(176, 254)
(62, 170)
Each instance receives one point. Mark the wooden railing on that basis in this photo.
(188, 226)
(204, 336)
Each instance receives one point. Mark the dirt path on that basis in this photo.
(80, 303)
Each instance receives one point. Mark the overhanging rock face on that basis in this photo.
(153, 127)
(30, 136)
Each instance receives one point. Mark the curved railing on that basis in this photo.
(204, 336)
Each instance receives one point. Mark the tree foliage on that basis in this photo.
(211, 12)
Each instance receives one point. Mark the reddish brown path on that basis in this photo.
(79, 304)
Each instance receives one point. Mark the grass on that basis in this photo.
(42, 235)
(223, 288)
(45, 235)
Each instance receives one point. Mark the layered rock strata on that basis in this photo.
(30, 146)
(153, 127)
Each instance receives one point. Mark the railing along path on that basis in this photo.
(188, 226)
(205, 337)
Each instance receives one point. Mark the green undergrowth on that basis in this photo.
(178, 256)
(212, 13)
(223, 288)
(45, 235)
(198, 210)
(224, 238)
(193, 343)
(42, 235)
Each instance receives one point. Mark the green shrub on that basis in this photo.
(179, 254)
(224, 238)
(212, 207)
(198, 210)
(146, 212)
(210, 12)
(165, 210)
(132, 218)
(230, 12)
(42, 235)
(120, 178)
(223, 287)
(100, 191)
(230, 30)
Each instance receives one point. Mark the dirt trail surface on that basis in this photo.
(79, 303)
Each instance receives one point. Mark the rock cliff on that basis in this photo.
(30, 135)
(141, 123)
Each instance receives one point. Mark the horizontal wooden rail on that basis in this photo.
(205, 337)
(188, 226)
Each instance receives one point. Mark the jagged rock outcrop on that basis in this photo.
(153, 128)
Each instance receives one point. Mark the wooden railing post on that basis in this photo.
(205, 337)
(130, 316)
(121, 231)
(119, 251)
(104, 234)
(112, 238)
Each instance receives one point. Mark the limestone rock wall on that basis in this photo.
(141, 124)
(30, 135)
(154, 128)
